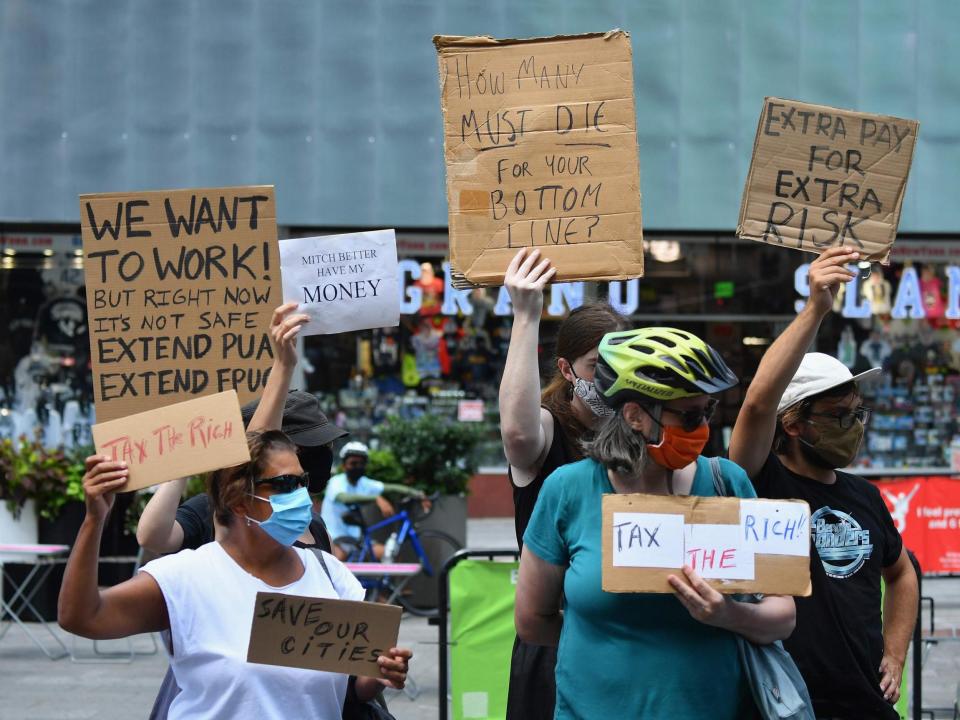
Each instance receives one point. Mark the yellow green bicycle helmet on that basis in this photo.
(658, 364)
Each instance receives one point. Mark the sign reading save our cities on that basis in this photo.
(180, 286)
(541, 151)
(822, 177)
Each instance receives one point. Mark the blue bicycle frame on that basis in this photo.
(406, 529)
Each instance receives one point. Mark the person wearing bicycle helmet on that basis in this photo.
(616, 647)
(353, 487)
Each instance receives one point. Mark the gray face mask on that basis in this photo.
(587, 392)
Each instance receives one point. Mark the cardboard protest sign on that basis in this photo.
(319, 634)
(177, 440)
(822, 177)
(181, 286)
(344, 282)
(738, 546)
(541, 150)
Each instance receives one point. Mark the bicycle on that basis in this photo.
(431, 548)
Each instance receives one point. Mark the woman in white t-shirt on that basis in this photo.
(206, 597)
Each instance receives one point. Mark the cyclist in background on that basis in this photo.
(353, 487)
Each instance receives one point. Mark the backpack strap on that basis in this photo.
(719, 486)
(323, 564)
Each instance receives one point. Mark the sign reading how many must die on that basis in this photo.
(541, 151)
(737, 545)
(181, 286)
(822, 177)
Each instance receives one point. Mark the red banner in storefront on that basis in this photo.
(926, 511)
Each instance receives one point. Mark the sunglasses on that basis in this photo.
(846, 419)
(285, 483)
(690, 420)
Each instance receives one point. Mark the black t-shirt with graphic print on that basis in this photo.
(838, 640)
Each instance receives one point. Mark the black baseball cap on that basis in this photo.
(303, 422)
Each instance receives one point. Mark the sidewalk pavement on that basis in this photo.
(34, 688)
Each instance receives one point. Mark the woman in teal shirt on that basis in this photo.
(640, 655)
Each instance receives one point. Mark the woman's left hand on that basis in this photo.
(394, 665)
(702, 601)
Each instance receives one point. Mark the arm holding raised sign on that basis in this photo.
(284, 328)
(134, 606)
(773, 618)
(158, 530)
(521, 417)
(756, 424)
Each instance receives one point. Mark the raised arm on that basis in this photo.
(158, 530)
(284, 328)
(135, 606)
(757, 422)
(524, 437)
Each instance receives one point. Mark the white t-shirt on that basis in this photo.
(332, 511)
(210, 600)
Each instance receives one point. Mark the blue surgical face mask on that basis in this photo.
(292, 512)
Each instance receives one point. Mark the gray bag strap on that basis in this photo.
(323, 564)
(718, 484)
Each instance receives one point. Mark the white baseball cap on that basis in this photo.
(818, 373)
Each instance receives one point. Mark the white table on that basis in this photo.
(43, 558)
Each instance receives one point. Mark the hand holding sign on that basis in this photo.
(702, 602)
(525, 281)
(827, 273)
(104, 477)
(285, 326)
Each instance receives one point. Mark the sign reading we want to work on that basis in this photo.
(181, 286)
(541, 150)
(822, 177)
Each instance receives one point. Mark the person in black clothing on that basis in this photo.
(802, 418)
(542, 432)
(166, 528)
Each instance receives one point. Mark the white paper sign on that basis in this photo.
(775, 528)
(344, 282)
(648, 540)
(716, 552)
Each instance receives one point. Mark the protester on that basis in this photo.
(803, 418)
(204, 597)
(166, 526)
(541, 432)
(636, 655)
(353, 487)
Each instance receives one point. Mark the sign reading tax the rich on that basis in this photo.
(181, 286)
(822, 177)
(541, 151)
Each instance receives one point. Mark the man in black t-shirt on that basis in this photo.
(802, 419)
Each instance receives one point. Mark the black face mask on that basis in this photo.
(317, 461)
(355, 473)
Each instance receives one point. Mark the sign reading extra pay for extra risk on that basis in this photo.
(344, 282)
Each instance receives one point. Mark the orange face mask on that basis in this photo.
(678, 448)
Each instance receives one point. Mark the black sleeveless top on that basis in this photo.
(524, 498)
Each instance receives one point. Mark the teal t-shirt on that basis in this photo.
(624, 655)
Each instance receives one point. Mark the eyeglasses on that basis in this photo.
(690, 420)
(285, 483)
(846, 419)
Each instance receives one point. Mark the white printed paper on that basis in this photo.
(769, 527)
(716, 552)
(648, 540)
(344, 282)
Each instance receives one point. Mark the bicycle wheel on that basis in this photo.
(420, 595)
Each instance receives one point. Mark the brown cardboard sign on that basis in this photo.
(340, 636)
(181, 286)
(821, 177)
(176, 441)
(738, 545)
(540, 143)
